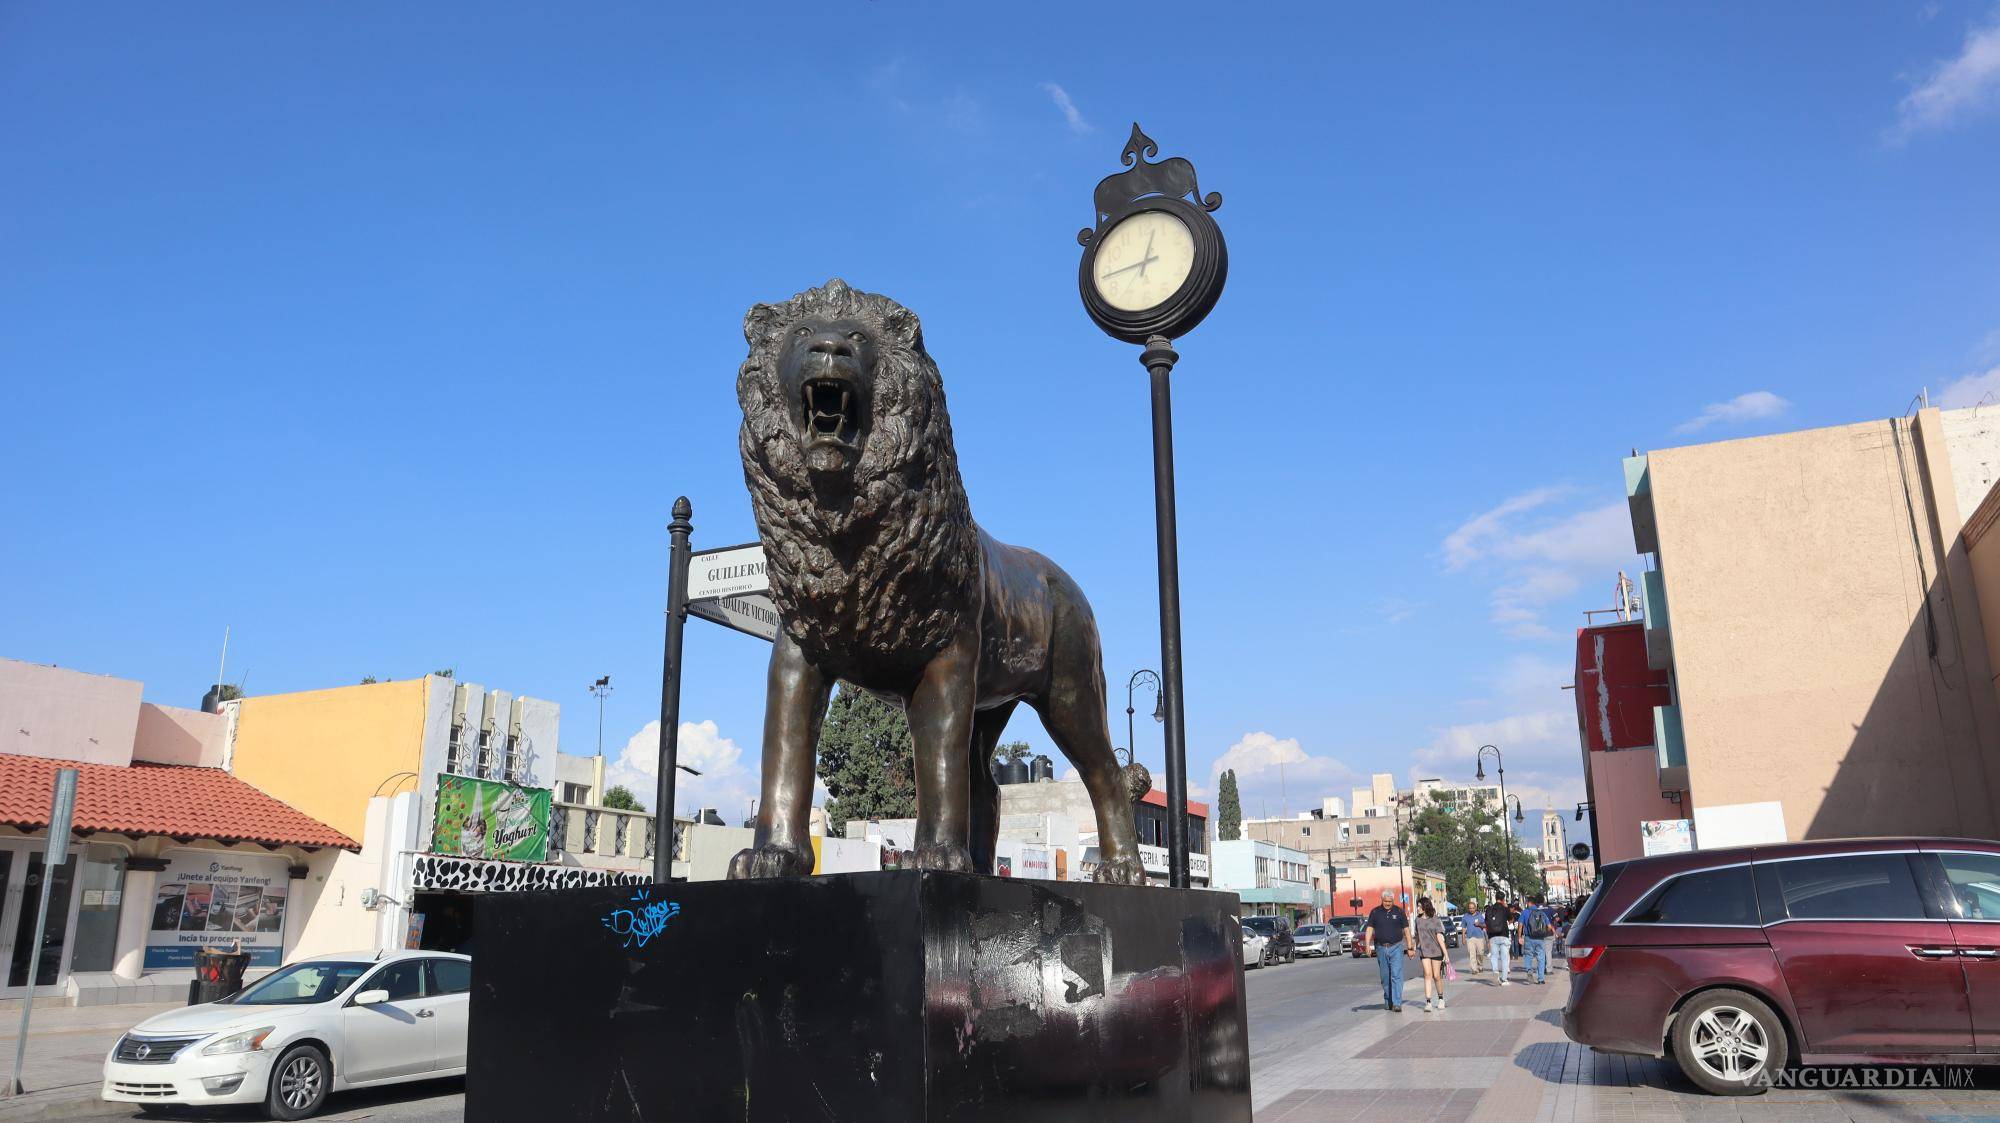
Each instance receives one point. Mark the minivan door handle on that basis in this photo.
(1930, 952)
(1980, 953)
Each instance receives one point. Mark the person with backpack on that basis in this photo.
(1499, 925)
(1537, 928)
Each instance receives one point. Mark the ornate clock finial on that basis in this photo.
(1173, 177)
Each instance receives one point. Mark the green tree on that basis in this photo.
(866, 759)
(445, 673)
(369, 680)
(228, 692)
(620, 798)
(1228, 808)
(1012, 751)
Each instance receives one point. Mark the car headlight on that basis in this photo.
(247, 1041)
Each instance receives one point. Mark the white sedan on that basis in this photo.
(301, 1033)
(1256, 947)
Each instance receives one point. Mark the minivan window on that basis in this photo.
(1605, 878)
(1975, 883)
(1849, 887)
(1719, 896)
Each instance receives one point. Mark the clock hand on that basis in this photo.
(1139, 265)
(1148, 257)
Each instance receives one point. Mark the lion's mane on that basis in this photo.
(886, 569)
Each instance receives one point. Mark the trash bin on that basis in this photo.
(217, 974)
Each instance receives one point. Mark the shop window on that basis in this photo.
(103, 888)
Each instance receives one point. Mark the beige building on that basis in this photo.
(1823, 627)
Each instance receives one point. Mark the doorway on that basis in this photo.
(23, 879)
(447, 923)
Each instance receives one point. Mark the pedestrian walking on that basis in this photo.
(1537, 929)
(1475, 937)
(1514, 911)
(1386, 939)
(1430, 951)
(1499, 928)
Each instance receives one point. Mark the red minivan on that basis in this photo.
(1738, 962)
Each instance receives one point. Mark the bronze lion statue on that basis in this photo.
(883, 580)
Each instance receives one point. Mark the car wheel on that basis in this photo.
(1730, 1043)
(299, 1083)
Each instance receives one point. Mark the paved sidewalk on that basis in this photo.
(1499, 1053)
(65, 1064)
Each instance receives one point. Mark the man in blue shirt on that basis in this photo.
(1538, 927)
(1386, 938)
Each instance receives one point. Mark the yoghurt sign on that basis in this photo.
(489, 819)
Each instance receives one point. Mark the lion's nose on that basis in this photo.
(831, 344)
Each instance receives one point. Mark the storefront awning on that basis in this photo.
(159, 799)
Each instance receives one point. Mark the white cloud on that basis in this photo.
(1541, 750)
(1757, 405)
(724, 783)
(1275, 774)
(1536, 557)
(1972, 390)
(1963, 84)
(1060, 96)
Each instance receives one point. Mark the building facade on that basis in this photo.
(169, 853)
(1269, 879)
(1812, 622)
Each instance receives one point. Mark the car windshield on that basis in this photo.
(1346, 922)
(1311, 930)
(1263, 924)
(301, 983)
(1605, 877)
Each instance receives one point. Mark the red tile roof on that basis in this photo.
(163, 799)
(1158, 798)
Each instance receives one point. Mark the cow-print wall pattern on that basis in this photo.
(468, 875)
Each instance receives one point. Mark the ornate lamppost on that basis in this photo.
(1153, 266)
(1142, 678)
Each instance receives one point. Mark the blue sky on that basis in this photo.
(386, 335)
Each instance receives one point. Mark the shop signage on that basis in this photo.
(1667, 836)
(213, 898)
(489, 819)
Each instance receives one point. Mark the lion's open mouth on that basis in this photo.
(832, 413)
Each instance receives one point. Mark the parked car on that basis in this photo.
(1315, 939)
(1278, 929)
(1454, 930)
(1256, 948)
(1348, 928)
(299, 1034)
(1738, 962)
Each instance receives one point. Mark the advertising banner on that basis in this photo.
(490, 819)
(208, 898)
(1666, 836)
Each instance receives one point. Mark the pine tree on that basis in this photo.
(1228, 809)
(866, 759)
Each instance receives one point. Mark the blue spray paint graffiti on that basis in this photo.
(642, 920)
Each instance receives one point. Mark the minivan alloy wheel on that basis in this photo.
(1729, 1043)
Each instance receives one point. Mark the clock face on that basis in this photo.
(1142, 261)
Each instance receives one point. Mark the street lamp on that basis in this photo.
(1479, 773)
(1141, 678)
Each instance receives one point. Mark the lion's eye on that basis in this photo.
(801, 333)
(857, 337)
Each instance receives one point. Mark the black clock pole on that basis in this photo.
(1159, 358)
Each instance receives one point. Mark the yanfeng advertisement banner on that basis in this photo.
(489, 819)
(212, 899)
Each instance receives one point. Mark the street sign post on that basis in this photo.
(62, 810)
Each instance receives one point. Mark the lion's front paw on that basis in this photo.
(772, 860)
(1127, 870)
(944, 856)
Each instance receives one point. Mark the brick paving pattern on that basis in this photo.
(1499, 1053)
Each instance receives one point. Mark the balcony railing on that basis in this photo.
(577, 828)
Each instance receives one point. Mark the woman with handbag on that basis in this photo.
(1430, 946)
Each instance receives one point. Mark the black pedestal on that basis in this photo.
(876, 997)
